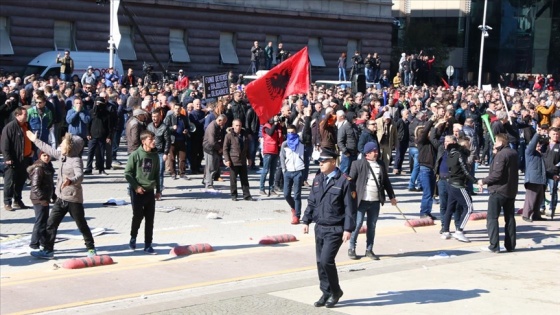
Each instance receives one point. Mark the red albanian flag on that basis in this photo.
(267, 92)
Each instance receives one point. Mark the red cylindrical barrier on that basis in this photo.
(275, 239)
(363, 229)
(85, 262)
(191, 249)
(478, 216)
(420, 222)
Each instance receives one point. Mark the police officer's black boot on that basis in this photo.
(352, 254)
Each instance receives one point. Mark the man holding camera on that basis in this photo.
(98, 133)
(256, 52)
(282, 55)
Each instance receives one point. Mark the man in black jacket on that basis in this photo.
(17, 151)
(458, 199)
(370, 192)
(252, 129)
(237, 109)
(347, 142)
(403, 138)
(502, 181)
(99, 133)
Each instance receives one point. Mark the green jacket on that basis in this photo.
(142, 169)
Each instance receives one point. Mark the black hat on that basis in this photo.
(327, 154)
(99, 100)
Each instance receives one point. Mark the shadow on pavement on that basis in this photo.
(429, 296)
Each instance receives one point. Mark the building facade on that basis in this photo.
(525, 35)
(202, 37)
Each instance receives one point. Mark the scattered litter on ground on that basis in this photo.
(165, 209)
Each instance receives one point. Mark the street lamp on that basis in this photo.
(484, 28)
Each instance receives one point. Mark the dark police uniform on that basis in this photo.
(332, 206)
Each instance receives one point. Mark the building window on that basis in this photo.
(64, 35)
(353, 45)
(5, 42)
(178, 46)
(126, 47)
(228, 55)
(314, 48)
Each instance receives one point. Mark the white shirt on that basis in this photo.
(371, 193)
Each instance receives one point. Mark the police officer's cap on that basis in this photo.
(327, 154)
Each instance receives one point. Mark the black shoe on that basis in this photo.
(272, 193)
(331, 302)
(352, 254)
(103, 172)
(322, 300)
(429, 215)
(19, 204)
(87, 172)
(371, 255)
(526, 219)
(248, 198)
(540, 219)
(132, 243)
(233, 198)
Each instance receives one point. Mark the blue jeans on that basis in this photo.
(553, 193)
(341, 74)
(161, 169)
(269, 166)
(346, 162)
(427, 180)
(293, 180)
(413, 153)
(371, 210)
(367, 72)
(406, 78)
(254, 66)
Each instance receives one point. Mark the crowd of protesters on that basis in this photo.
(436, 125)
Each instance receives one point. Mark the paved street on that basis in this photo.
(418, 273)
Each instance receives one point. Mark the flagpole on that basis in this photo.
(111, 26)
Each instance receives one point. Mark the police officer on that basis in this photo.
(332, 206)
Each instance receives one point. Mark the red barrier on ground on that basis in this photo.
(275, 239)
(363, 229)
(420, 222)
(191, 249)
(478, 216)
(85, 262)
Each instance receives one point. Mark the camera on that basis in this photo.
(147, 68)
(544, 140)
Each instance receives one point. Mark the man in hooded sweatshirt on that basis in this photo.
(69, 192)
(293, 165)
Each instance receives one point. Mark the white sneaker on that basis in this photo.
(445, 235)
(458, 235)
